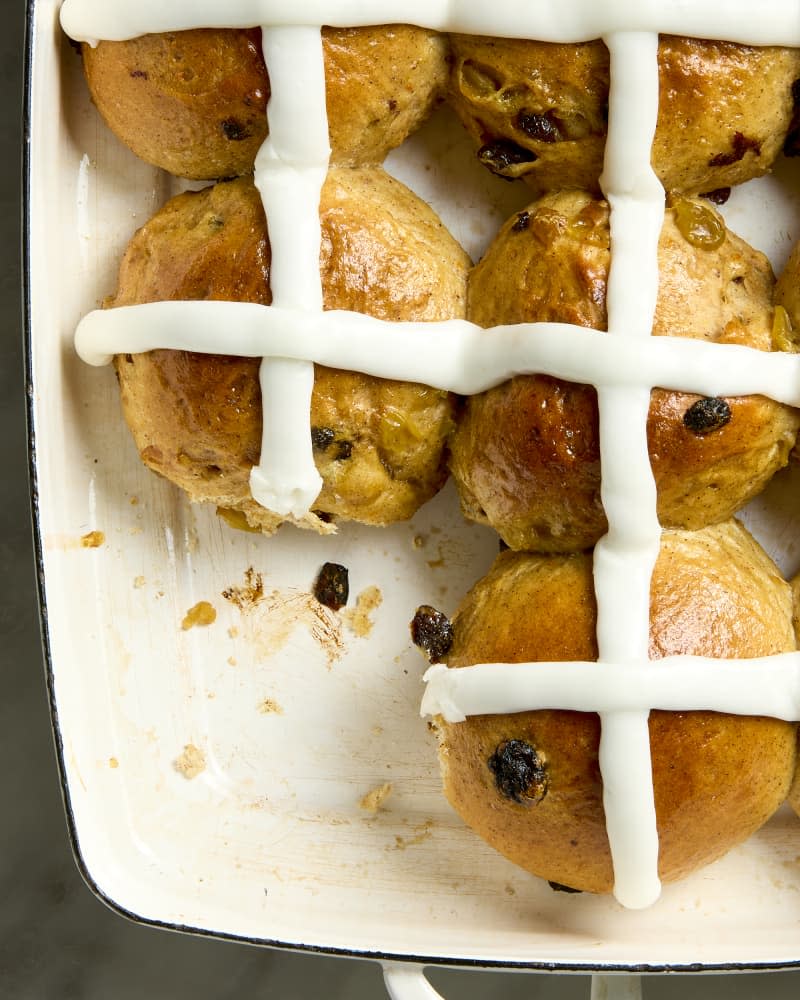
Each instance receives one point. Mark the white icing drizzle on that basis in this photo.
(766, 685)
(623, 365)
(454, 354)
(290, 169)
(775, 22)
(625, 556)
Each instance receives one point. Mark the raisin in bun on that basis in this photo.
(539, 110)
(787, 295)
(717, 777)
(194, 102)
(196, 419)
(525, 454)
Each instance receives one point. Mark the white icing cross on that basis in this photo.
(623, 364)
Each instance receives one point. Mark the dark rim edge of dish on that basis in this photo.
(96, 889)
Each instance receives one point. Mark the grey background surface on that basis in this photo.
(56, 939)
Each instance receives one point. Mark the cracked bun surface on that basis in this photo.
(539, 110)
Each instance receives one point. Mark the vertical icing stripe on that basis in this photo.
(290, 170)
(624, 558)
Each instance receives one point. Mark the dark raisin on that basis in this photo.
(234, 130)
(558, 887)
(139, 74)
(541, 128)
(707, 415)
(129, 359)
(791, 145)
(332, 586)
(522, 223)
(519, 772)
(718, 197)
(432, 632)
(740, 145)
(501, 155)
(344, 450)
(392, 105)
(322, 437)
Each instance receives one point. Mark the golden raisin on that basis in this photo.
(783, 335)
(699, 224)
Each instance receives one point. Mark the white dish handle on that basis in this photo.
(408, 982)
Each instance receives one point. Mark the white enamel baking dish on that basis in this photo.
(215, 777)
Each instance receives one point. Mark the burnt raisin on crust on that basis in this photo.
(707, 415)
(332, 586)
(791, 146)
(322, 437)
(740, 144)
(558, 887)
(432, 631)
(519, 772)
(502, 154)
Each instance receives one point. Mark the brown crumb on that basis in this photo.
(270, 707)
(202, 613)
(139, 582)
(93, 540)
(248, 596)
(191, 762)
(358, 618)
(113, 763)
(373, 801)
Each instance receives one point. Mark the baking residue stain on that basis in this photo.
(93, 540)
(270, 707)
(203, 613)
(423, 832)
(191, 762)
(270, 618)
(374, 799)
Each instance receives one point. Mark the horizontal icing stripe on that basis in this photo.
(453, 354)
(771, 22)
(767, 686)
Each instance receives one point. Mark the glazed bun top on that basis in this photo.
(194, 102)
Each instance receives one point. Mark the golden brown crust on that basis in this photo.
(724, 109)
(526, 454)
(197, 418)
(787, 292)
(194, 102)
(717, 777)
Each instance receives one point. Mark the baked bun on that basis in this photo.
(539, 110)
(787, 296)
(717, 777)
(525, 454)
(194, 102)
(196, 418)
